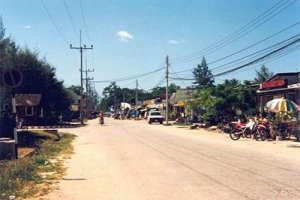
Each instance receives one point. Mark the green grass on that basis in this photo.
(29, 176)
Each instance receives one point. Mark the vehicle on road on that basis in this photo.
(101, 118)
(155, 116)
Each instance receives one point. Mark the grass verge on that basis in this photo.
(34, 175)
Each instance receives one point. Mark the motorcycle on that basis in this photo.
(101, 120)
(259, 131)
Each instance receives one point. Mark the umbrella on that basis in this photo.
(281, 105)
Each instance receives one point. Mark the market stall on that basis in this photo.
(284, 116)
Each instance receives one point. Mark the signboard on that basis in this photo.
(273, 84)
(12, 78)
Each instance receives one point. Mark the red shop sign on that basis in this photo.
(273, 84)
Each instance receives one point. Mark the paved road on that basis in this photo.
(131, 160)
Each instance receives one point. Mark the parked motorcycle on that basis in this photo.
(254, 128)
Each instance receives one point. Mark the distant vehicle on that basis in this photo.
(107, 114)
(155, 116)
(117, 115)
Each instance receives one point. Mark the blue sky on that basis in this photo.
(132, 37)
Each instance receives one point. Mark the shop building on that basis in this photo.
(286, 85)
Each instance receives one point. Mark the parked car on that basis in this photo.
(155, 116)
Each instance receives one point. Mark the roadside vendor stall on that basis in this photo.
(285, 117)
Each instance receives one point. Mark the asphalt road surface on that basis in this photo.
(131, 160)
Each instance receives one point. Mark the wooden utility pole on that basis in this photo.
(167, 90)
(80, 48)
(136, 97)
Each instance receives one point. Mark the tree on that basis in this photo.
(75, 88)
(203, 75)
(205, 104)
(161, 91)
(39, 78)
(223, 101)
(112, 96)
(263, 74)
(2, 29)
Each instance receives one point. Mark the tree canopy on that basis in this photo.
(113, 95)
(202, 75)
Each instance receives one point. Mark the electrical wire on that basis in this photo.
(270, 56)
(54, 24)
(252, 25)
(248, 47)
(255, 53)
(57, 29)
(280, 55)
(258, 59)
(70, 17)
(84, 22)
(158, 84)
(177, 76)
(130, 77)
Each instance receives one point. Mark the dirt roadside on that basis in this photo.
(285, 148)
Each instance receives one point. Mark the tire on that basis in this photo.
(149, 122)
(256, 135)
(235, 135)
(247, 133)
(161, 121)
(263, 135)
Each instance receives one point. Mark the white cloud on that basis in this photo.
(173, 41)
(124, 36)
(26, 26)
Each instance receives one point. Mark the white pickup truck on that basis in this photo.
(155, 116)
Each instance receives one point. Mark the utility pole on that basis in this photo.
(136, 97)
(87, 90)
(87, 79)
(167, 90)
(80, 48)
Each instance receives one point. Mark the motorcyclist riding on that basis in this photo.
(101, 118)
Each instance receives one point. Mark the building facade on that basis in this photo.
(286, 85)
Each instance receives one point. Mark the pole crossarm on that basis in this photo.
(81, 49)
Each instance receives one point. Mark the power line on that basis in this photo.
(158, 84)
(275, 54)
(293, 25)
(56, 27)
(70, 17)
(84, 22)
(255, 53)
(177, 76)
(53, 22)
(248, 47)
(253, 24)
(258, 59)
(280, 55)
(130, 77)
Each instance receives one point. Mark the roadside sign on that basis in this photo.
(12, 78)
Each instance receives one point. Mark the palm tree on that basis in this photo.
(263, 74)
